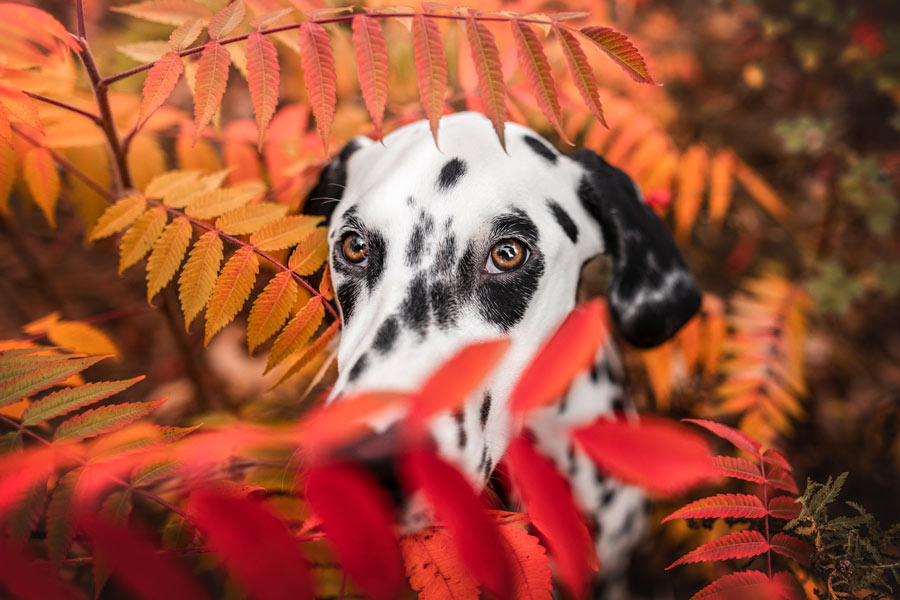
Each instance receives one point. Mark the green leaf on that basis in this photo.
(104, 419)
(43, 377)
(69, 399)
(26, 511)
(60, 524)
(150, 474)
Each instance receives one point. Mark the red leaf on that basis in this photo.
(263, 77)
(372, 65)
(357, 517)
(319, 76)
(784, 507)
(786, 586)
(581, 71)
(788, 545)
(486, 57)
(434, 567)
(746, 585)
(137, 565)
(783, 481)
(255, 544)
(570, 350)
(738, 438)
(552, 511)
(738, 468)
(775, 458)
(622, 51)
(455, 380)
(212, 78)
(346, 419)
(532, 577)
(662, 456)
(536, 67)
(473, 532)
(161, 80)
(431, 69)
(28, 579)
(721, 506)
(740, 544)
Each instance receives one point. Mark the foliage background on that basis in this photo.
(805, 92)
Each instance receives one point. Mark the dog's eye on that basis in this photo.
(355, 248)
(506, 255)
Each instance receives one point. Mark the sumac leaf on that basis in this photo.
(537, 70)
(486, 57)
(431, 69)
(231, 290)
(264, 77)
(788, 545)
(617, 46)
(721, 506)
(212, 78)
(158, 86)
(740, 544)
(199, 275)
(319, 76)
(372, 65)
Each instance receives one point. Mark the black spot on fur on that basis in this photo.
(446, 254)
(324, 197)
(573, 463)
(444, 304)
(460, 417)
(618, 406)
(628, 523)
(450, 174)
(422, 230)
(347, 293)
(595, 374)
(415, 310)
(485, 409)
(540, 148)
(564, 220)
(488, 467)
(387, 335)
(608, 496)
(360, 366)
(375, 266)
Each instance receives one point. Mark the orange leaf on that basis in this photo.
(372, 65)
(622, 51)
(212, 78)
(788, 545)
(345, 419)
(569, 351)
(185, 34)
(264, 78)
(762, 192)
(225, 21)
(311, 351)
(660, 455)
(319, 76)
(271, 309)
(457, 506)
(5, 135)
(455, 380)
(310, 253)
(434, 567)
(581, 71)
(325, 288)
(532, 577)
(552, 511)
(21, 106)
(254, 543)
(357, 517)
(160, 82)
(537, 70)
(746, 585)
(691, 176)
(297, 332)
(721, 172)
(486, 57)
(721, 506)
(740, 544)
(231, 290)
(42, 179)
(431, 69)
(738, 468)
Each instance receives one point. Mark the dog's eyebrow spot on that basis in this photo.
(357, 369)
(421, 231)
(564, 220)
(415, 308)
(485, 409)
(540, 148)
(515, 223)
(450, 174)
(386, 335)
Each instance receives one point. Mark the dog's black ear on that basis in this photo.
(328, 191)
(651, 294)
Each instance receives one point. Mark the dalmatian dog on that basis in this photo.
(432, 249)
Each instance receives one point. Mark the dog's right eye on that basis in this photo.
(506, 255)
(355, 248)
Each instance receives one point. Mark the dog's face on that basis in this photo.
(432, 250)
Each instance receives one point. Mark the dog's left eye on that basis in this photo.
(506, 255)
(355, 248)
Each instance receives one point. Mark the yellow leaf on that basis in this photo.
(208, 205)
(42, 325)
(311, 351)
(7, 176)
(297, 332)
(284, 233)
(42, 179)
(81, 338)
(271, 309)
(311, 253)
(93, 161)
(691, 176)
(146, 160)
(138, 240)
(720, 181)
(325, 288)
(118, 216)
(762, 192)
(168, 251)
(658, 363)
(171, 182)
(248, 219)
(231, 290)
(199, 275)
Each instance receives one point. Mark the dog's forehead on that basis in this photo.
(468, 180)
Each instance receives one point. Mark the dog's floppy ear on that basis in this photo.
(326, 194)
(651, 294)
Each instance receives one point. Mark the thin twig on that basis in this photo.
(79, 18)
(141, 492)
(69, 107)
(339, 19)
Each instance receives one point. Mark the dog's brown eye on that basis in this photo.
(355, 248)
(506, 255)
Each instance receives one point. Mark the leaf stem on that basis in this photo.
(765, 493)
(69, 107)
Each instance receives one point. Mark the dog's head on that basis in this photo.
(431, 250)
